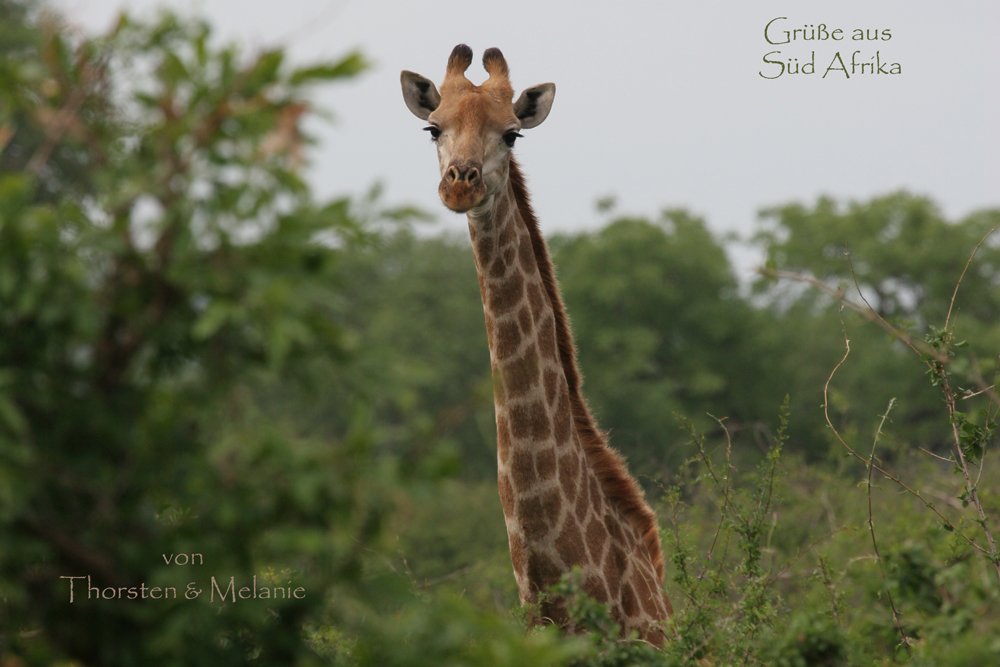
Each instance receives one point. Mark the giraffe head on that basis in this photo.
(474, 127)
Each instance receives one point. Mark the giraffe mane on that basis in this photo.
(608, 465)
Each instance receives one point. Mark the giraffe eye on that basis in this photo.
(435, 132)
(510, 137)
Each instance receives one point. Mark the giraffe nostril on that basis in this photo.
(468, 174)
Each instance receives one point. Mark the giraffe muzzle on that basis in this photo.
(462, 186)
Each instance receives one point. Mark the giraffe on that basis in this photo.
(568, 500)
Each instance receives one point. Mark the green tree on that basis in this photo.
(171, 297)
(424, 366)
(907, 260)
(157, 249)
(661, 329)
(906, 256)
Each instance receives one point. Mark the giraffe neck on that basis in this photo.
(566, 498)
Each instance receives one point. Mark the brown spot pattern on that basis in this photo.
(620, 559)
(547, 338)
(595, 494)
(507, 236)
(536, 299)
(570, 546)
(541, 570)
(505, 294)
(503, 439)
(529, 420)
(594, 587)
(583, 500)
(508, 255)
(521, 374)
(563, 427)
(484, 250)
(614, 529)
(648, 597)
(524, 319)
(503, 208)
(526, 254)
(551, 379)
(498, 269)
(628, 600)
(551, 506)
(499, 395)
(545, 464)
(532, 423)
(489, 329)
(518, 556)
(506, 495)
(568, 470)
(612, 576)
(508, 338)
(532, 519)
(597, 535)
(522, 469)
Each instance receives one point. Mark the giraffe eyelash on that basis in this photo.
(510, 137)
(435, 132)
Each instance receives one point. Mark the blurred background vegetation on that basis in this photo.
(196, 356)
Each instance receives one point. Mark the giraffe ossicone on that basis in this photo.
(568, 500)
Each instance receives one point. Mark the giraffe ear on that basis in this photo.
(534, 104)
(420, 94)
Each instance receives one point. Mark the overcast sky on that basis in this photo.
(659, 103)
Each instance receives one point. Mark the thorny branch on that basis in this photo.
(866, 311)
(935, 353)
(885, 473)
(871, 525)
(725, 496)
(937, 368)
(936, 357)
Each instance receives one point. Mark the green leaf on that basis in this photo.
(351, 65)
